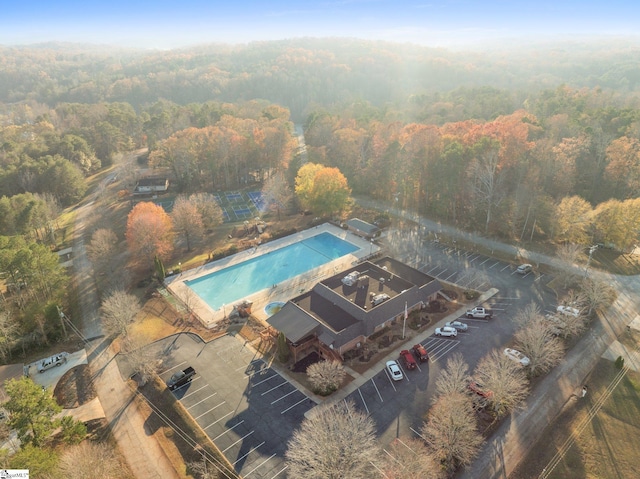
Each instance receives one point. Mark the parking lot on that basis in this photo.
(245, 407)
(250, 411)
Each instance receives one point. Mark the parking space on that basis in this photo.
(245, 407)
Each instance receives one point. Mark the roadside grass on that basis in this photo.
(607, 448)
(65, 228)
(185, 442)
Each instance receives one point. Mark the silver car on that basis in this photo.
(394, 371)
(457, 325)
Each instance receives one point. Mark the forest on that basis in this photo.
(527, 143)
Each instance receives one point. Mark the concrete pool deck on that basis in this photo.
(282, 291)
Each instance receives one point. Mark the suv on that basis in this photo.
(181, 378)
(446, 331)
(52, 361)
(421, 353)
(408, 359)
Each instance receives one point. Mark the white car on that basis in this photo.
(457, 325)
(524, 269)
(568, 310)
(394, 370)
(447, 331)
(517, 356)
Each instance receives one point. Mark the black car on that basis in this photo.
(181, 378)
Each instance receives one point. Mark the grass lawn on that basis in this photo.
(606, 447)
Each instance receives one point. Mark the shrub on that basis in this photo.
(619, 362)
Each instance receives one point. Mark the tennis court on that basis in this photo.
(235, 205)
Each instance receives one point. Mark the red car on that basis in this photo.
(420, 353)
(408, 359)
(479, 389)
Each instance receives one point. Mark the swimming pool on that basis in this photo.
(231, 284)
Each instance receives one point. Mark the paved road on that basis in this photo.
(518, 433)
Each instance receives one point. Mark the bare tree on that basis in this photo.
(187, 220)
(407, 458)
(454, 378)
(118, 311)
(277, 193)
(540, 346)
(506, 380)
(202, 469)
(326, 376)
(451, 432)
(530, 313)
(9, 332)
(596, 295)
(486, 181)
(90, 460)
(334, 442)
(102, 245)
(142, 360)
(567, 255)
(475, 279)
(209, 209)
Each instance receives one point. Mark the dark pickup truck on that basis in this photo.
(181, 378)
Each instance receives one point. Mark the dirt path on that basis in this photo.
(517, 434)
(143, 454)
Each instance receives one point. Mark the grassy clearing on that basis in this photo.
(607, 448)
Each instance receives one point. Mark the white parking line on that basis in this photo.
(193, 392)
(442, 272)
(203, 400)
(417, 433)
(227, 430)
(497, 262)
(186, 384)
(404, 373)
(264, 380)
(250, 451)
(291, 407)
(432, 269)
(476, 257)
(172, 368)
(379, 395)
(245, 366)
(281, 398)
(524, 276)
(363, 401)
(539, 277)
(507, 266)
(452, 274)
(259, 465)
(389, 378)
(239, 440)
(274, 388)
(218, 420)
(484, 261)
(279, 472)
(214, 407)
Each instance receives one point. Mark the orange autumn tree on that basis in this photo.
(149, 233)
(322, 189)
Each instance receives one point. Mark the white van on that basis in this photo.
(52, 361)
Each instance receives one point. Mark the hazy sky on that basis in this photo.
(165, 24)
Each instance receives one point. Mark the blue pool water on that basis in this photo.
(231, 284)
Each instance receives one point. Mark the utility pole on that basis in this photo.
(61, 316)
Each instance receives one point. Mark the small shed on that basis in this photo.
(362, 228)
(146, 186)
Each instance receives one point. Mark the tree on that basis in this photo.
(540, 346)
(486, 178)
(568, 254)
(209, 210)
(596, 295)
(73, 431)
(102, 245)
(573, 216)
(454, 378)
(326, 376)
(41, 462)
(276, 192)
(334, 442)
(118, 311)
(409, 458)
(31, 411)
(526, 315)
(322, 189)
(149, 233)
(187, 220)
(65, 182)
(159, 267)
(450, 431)
(623, 169)
(283, 348)
(505, 378)
(9, 332)
(143, 361)
(616, 223)
(90, 460)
